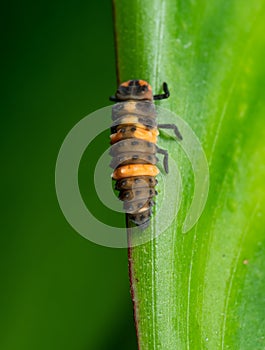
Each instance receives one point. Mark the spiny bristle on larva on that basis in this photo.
(136, 182)
(133, 158)
(132, 131)
(135, 170)
(134, 194)
(130, 145)
(141, 219)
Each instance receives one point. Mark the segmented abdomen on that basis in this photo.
(133, 138)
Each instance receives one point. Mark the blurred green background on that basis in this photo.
(58, 290)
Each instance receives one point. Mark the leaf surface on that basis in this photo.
(203, 289)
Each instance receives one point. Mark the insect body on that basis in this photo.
(134, 134)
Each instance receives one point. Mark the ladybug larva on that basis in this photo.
(134, 134)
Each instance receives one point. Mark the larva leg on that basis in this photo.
(162, 96)
(165, 161)
(173, 127)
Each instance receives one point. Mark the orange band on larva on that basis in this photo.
(135, 170)
(139, 133)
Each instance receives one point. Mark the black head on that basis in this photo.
(134, 90)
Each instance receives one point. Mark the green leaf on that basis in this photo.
(203, 289)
